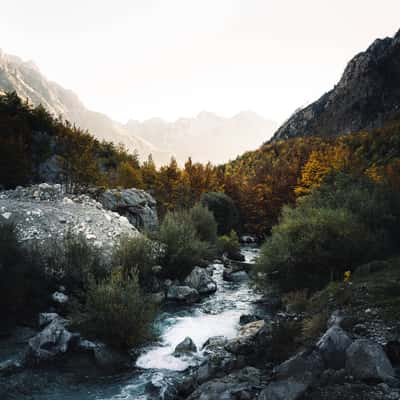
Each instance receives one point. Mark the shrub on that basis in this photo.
(204, 222)
(224, 209)
(314, 326)
(285, 337)
(312, 246)
(137, 254)
(117, 312)
(229, 244)
(76, 262)
(183, 248)
(24, 285)
(296, 301)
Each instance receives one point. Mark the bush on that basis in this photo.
(204, 222)
(77, 263)
(24, 285)
(137, 254)
(312, 246)
(224, 209)
(183, 248)
(229, 244)
(296, 301)
(117, 312)
(314, 326)
(285, 337)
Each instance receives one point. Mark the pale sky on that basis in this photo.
(174, 58)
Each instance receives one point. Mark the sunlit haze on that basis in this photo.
(140, 59)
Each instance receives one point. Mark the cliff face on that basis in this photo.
(367, 95)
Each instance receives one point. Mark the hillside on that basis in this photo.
(367, 95)
(26, 79)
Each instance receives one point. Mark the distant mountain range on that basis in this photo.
(367, 96)
(207, 137)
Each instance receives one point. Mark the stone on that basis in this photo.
(59, 297)
(246, 341)
(138, 206)
(200, 280)
(232, 276)
(53, 341)
(10, 367)
(46, 318)
(333, 345)
(184, 294)
(186, 346)
(289, 389)
(239, 385)
(366, 360)
(247, 318)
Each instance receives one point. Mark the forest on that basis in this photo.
(260, 182)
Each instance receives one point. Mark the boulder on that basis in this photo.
(333, 345)
(200, 280)
(53, 341)
(366, 360)
(59, 297)
(294, 377)
(247, 318)
(10, 367)
(288, 389)
(187, 346)
(214, 342)
(46, 318)
(246, 341)
(234, 276)
(184, 294)
(138, 206)
(242, 384)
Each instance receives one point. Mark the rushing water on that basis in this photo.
(215, 315)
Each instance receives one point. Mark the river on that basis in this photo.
(217, 314)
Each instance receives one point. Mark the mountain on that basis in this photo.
(207, 137)
(367, 95)
(27, 80)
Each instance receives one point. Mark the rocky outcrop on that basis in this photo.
(45, 213)
(366, 360)
(200, 280)
(138, 206)
(367, 95)
(247, 339)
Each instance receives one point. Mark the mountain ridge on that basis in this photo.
(367, 95)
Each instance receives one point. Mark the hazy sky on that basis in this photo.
(171, 58)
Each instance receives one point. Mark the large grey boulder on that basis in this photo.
(187, 346)
(366, 360)
(135, 204)
(241, 384)
(294, 377)
(288, 389)
(247, 340)
(333, 345)
(54, 340)
(184, 294)
(200, 280)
